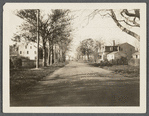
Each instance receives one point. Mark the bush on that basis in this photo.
(134, 62)
(105, 63)
(17, 62)
(124, 60)
(121, 61)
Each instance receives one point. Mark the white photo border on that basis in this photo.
(118, 109)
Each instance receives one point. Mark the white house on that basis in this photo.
(28, 50)
(135, 60)
(115, 51)
(115, 55)
(136, 55)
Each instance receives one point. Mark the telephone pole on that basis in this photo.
(37, 58)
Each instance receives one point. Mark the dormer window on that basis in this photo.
(111, 48)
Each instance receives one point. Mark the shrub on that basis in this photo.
(17, 62)
(124, 60)
(114, 61)
(105, 63)
(134, 62)
(120, 61)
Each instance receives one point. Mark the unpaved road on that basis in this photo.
(78, 84)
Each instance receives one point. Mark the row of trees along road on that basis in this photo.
(89, 47)
(54, 32)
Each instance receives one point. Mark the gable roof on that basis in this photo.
(117, 52)
(124, 43)
(136, 53)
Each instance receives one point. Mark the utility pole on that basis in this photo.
(37, 59)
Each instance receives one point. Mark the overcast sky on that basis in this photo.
(96, 28)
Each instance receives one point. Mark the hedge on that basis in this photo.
(16, 62)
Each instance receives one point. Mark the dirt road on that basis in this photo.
(78, 84)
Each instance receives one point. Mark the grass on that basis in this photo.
(125, 70)
(22, 79)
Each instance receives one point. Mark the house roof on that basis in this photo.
(112, 46)
(29, 43)
(100, 53)
(136, 53)
(117, 52)
(124, 43)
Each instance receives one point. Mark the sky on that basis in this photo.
(97, 28)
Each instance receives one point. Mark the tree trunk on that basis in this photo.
(123, 28)
(88, 57)
(49, 53)
(44, 55)
(59, 55)
(55, 54)
(52, 54)
(63, 55)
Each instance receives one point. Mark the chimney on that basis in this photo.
(113, 42)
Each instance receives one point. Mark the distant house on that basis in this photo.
(115, 51)
(103, 51)
(127, 49)
(115, 55)
(135, 60)
(28, 50)
(136, 55)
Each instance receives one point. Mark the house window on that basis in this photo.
(99, 56)
(27, 52)
(35, 52)
(20, 52)
(16, 49)
(30, 47)
(136, 56)
(35, 57)
(25, 47)
(118, 48)
(111, 48)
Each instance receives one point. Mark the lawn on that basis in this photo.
(125, 70)
(23, 78)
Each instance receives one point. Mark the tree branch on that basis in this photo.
(122, 28)
(137, 25)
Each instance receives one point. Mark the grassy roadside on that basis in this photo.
(125, 70)
(22, 79)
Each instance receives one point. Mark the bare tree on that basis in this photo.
(86, 47)
(60, 33)
(129, 17)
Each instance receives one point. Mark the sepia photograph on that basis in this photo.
(74, 58)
